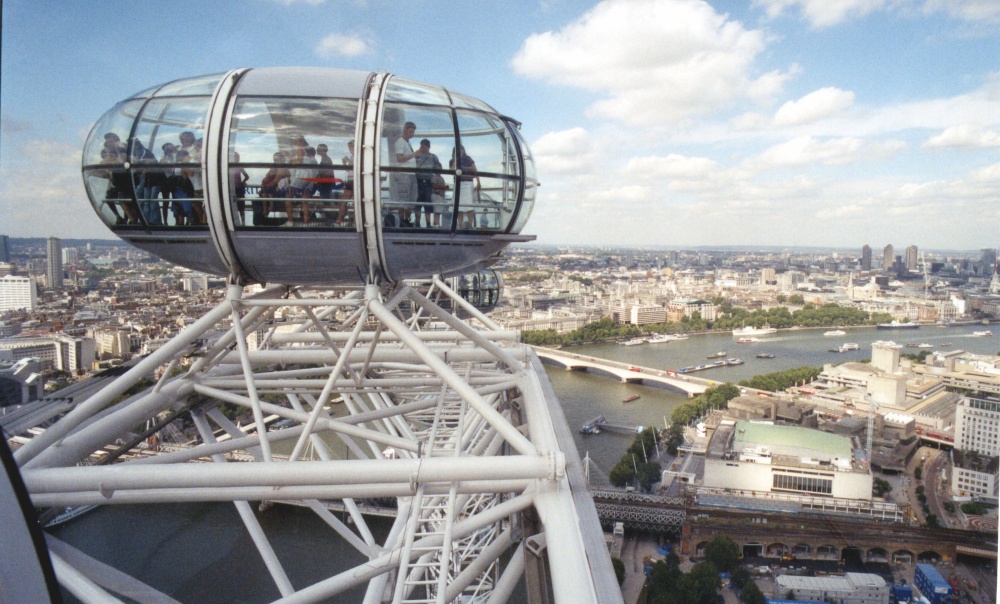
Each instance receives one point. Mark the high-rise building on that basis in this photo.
(887, 258)
(987, 260)
(866, 257)
(4, 248)
(17, 293)
(977, 440)
(911, 258)
(54, 266)
(70, 255)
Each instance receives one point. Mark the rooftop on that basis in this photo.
(786, 439)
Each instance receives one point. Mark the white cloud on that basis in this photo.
(987, 175)
(822, 13)
(42, 194)
(964, 136)
(975, 11)
(568, 151)
(813, 107)
(827, 13)
(653, 61)
(342, 45)
(805, 150)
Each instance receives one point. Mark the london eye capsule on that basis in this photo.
(311, 176)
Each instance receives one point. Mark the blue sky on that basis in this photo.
(670, 123)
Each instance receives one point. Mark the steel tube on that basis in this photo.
(267, 493)
(342, 472)
(491, 415)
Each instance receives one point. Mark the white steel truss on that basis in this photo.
(449, 421)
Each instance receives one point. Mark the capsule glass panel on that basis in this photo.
(110, 134)
(199, 86)
(290, 163)
(409, 91)
(411, 159)
(530, 184)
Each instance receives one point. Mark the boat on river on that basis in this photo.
(754, 331)
(629, 399)
(718, 355)
(765, 355)
(835, 332)
(633, 342)
(982, 334)
(898, 325)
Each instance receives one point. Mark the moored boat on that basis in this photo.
(898, 325)
(754, 331)
(629, 399)
(835, 332)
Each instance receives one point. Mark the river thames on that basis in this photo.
(194, 551)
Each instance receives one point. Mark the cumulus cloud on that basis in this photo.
(813, 107)
(827, 13)
(975, 11)
(50, 171)
(342, 45)
(652, 60)
(964, 136)
(822, 13)
(568, 151)
(988, 175)
(805, 150)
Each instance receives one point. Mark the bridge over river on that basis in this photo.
(687, 384)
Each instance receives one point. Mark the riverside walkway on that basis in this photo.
(689, 385)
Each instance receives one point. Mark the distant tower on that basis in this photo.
(54, 267)
(911, 258)
(887, 258)
(987, 260)
(866, 257)
(4, 248)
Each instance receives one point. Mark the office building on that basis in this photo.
(977, 441)
(70, 255)
(866, 258)
(887, 258)
(785, 459)
(4, 248)
(60, 352)
(17, 293)
(911, 258)
(54, 264)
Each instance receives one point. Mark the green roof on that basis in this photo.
(787, 437)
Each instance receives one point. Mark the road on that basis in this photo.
(931, 481)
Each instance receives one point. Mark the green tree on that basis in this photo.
(740, 577)
(648, 475)
(675, 437)
(666, 584)
(751, 594)
(932, 521)
(796, 300)
(919, 472)
(880, 487)
(703, 583)
(619, 567)
(722, 552)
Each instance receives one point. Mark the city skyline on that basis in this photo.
(664, 124)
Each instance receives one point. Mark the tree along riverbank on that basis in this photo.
(607, 329)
